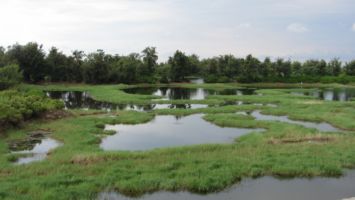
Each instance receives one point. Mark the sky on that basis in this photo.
(290, 29)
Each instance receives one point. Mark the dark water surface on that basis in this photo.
(186, 93)
(335, 94)
(169, 131)
(82, 100)
(265, 188)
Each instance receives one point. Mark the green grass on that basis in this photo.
(80, 169)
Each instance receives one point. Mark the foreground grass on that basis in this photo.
(80, 169)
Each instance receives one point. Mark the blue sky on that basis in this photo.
(295, 29)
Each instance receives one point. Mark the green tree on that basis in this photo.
(9, 75)
(250, 71)
(228, 66)
(283, 68)
(3, 57)
(194, 64)
(150, 59)
(296, 68)
(309, 68)
(124, 69)
(96, 67)
(322, 68)
(350, 68)
(179, 66)
(31, 59)
(58, 65)
(75, 66)
(334, 67)
(266, 68)
(163, 71)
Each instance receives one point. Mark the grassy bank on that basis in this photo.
(80, 169)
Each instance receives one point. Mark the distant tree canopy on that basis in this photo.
(34, 65)
(350, 68)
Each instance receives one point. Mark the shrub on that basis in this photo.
(16, 106)
(9, 75)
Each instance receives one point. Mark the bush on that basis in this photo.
(211, 78)
(9, 76)
(16, 106)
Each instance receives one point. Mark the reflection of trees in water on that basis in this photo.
(164, 91)
(180, 106)
(188, 93)
(71, 99)
(333, 95)
(236, 92)
(83, 100)
(141, 90)
(181, 93)
(178, 117)
(336, 95)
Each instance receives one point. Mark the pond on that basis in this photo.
(265, 188)
(82, 100)
(169, 131)
(38, 152)
(324, 127)
(197, 80)
(335, 94)
(176, 93)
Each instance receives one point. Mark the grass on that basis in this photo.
(82, 169)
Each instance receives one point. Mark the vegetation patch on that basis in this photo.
(310, 139)
(83, 169)
(17, 106)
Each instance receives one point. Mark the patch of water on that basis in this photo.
(265, 188)
(186, 93)
(169, 131)
(325, 127)
(82, 100)
(197, 81)
(38, 153)
(336, 94)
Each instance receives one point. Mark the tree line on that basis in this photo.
(35, 65)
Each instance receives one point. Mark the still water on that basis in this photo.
(336, 94)
(197, 81)
(38, 152)
(82, 100)
(265, 188)
(169, 131)
(324, 127)
(167, 93)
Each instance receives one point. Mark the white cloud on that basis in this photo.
(353, 27)
(297, 28)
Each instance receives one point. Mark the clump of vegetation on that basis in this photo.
(17, 106)
(9, 76)
(128, 117)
